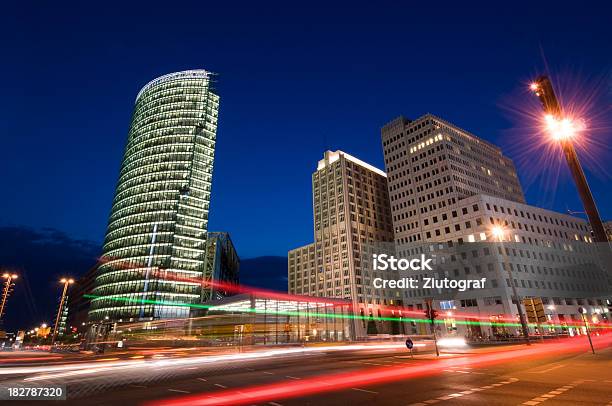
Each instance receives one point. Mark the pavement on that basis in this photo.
(359, 375)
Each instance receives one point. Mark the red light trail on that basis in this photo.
(373, 376)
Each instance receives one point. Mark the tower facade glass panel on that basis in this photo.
(154, 250)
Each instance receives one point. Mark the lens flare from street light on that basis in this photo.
(563, 129)
(536, 143)
(498, 232)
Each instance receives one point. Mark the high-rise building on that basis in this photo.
(454, 196)
(154, 250)
(432, 164)
(351, 211)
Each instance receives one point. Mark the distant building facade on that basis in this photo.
(448, 191)
(79, 301)
(222, 267)
(155, 245)
(351, 210)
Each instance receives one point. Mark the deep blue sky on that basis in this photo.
(293, 80)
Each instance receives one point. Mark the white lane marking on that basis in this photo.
(221, 386)
(202, 379)
(268, 373)
(365, 390)
(178, 390)
(547, 369)
(552, 393)
(464, 393)
(292, 377)
(274, 404)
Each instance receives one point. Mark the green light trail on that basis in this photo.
(334, 315)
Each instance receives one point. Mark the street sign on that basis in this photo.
(535, 310)
(409, 343)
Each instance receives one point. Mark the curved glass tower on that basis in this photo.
(154, 250)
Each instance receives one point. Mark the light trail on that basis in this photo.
(367, 377)
(600, 325)
(43, 358)
(160, 274)
(58, 371)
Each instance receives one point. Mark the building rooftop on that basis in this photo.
(332, 156)
(194, 73)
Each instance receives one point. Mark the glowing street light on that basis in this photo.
(563, 129)
(8, 283)
(499, 233)
(66, 282)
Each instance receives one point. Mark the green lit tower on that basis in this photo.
(154, 251)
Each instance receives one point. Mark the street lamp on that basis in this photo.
(66, 282)
(583, 313)
(8, 283)
(563, 129)
(499, 232)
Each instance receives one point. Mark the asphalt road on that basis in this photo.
(577, 378)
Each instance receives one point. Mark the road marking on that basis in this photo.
(192, 368)
(547, 369)
(249, 369)
(178, 390)
(292, 377)
(542, 398)
(268, 373)
(221, 386)
(365, 390)
(464, 393)
(274, 404)
(202, 379)
(138, 386)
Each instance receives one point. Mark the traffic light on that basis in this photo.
(430, 312)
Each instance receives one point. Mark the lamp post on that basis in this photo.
(8, 282)
(583, 312)
(498, 232)
(563, 129)
(66, 283)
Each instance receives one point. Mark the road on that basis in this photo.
(358, 375)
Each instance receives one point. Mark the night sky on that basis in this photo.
(294, 80)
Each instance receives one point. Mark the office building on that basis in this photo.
(155, 245)
(456, 197)
(222, 267)
(351, 211)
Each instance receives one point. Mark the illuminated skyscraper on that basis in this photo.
(154, 250)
